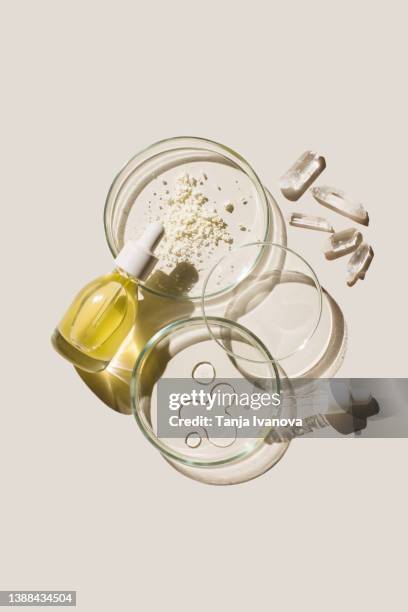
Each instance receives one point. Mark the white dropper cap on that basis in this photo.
(136, 258)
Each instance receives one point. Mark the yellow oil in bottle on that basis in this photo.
(97, 322)
(104, 312)
(153, 312)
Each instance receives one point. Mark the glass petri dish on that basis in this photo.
(178, 351)
(252, 466)
(279, 300)
(141, 193)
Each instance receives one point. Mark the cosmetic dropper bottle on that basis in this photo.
(104, 312)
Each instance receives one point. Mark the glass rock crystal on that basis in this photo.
(359, 263)
(342, 243)
(301, 175)
(340, 202)
(310, 222)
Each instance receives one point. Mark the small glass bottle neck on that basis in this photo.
(126, 275)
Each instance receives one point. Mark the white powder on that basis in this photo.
(192, 226)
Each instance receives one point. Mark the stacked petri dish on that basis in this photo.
(251, 309)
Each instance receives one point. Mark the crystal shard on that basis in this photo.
(301, 175)
(343, 243)
(310, 222)
(340, 202)
(359, 263)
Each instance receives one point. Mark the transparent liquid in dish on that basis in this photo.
(177, 356)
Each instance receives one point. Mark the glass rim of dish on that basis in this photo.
(135, 387)
(155, 150)
(262, 245)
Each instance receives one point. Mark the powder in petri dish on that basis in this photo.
(192, 226)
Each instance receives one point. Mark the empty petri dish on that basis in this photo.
(226, 204)
(279, 300)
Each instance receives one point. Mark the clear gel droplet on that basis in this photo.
(203, 373)
(193, 439)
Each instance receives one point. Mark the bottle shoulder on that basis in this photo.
(106, 287)
(116, 276)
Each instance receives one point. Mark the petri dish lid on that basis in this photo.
(278, 299)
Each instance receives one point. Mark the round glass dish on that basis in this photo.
(145, 191)
(279, 300)
(177, 351)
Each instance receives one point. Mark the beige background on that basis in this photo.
(86, 503)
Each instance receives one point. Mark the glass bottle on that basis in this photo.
(105, 310)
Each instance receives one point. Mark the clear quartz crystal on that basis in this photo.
(301, 175)
(340, 202)
(342, 243)
(310, 222)
(359, 263)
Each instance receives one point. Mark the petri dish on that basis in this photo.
(145, 191)
(176, 352)
(279, 300)
(249, 467)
